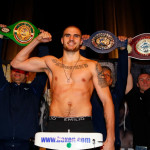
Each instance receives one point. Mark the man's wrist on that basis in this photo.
(36, 41)
(110, 139)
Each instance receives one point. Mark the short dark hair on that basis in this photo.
(72, 26)
(143, 71)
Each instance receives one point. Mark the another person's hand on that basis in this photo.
(122, 38)
(2, 26)
(129, 40)
(129, 48)
(84, 37)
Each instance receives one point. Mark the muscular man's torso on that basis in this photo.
(70, 98)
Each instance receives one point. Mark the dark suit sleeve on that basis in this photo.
(3, 80)
(122, 73)
(147, 102)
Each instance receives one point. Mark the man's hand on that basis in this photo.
(44, 37)
(108, 145)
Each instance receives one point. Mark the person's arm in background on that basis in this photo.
(130, 78)
(129, 85)
(122, 72)
(3, 80)
(147, 108)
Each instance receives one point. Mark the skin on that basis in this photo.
(108, 77)
(143, 82)
(18, 77)
(71, 99)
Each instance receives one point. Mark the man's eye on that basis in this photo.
(67, 35)
(107, 75)
(76, 35)
(140, 79)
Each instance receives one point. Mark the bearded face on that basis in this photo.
(71, 46)
(71, 39)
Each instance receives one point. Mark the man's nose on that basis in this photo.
(105, 76)
(145, 81)
(71, 37)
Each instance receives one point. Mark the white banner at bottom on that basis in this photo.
(68, 140)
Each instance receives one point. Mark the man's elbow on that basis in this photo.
(14, 64)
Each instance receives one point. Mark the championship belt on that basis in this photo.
(103, 42)
(139, 48)
(68, 140)
(21, 32)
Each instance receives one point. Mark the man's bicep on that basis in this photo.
(98, 76)
(100, 83)
(34, 64)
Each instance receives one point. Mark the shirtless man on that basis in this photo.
(72, 80)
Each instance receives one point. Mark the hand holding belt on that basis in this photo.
(21, 32)
(104, 42)
(139, 48)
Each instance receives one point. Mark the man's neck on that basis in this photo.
(70, 56)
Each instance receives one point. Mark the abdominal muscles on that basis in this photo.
(71, 100)
(77, 104)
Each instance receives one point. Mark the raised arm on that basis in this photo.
(3, 80)
(34, 64)
(106, 98)
(130, 78)
(122, 72)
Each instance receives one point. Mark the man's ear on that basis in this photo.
(27, 74)
(81, 42)
(62, 41)
(110, 81)
(137, 85)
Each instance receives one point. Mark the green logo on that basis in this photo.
(68, 145)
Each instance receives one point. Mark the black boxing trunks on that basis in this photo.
(72, 124)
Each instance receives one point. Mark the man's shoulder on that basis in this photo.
(90, 61)
(92, 64)
(50, 58)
